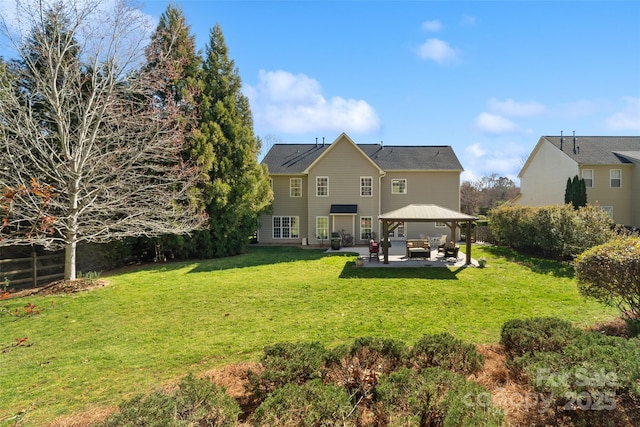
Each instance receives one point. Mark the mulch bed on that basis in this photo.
(57, 288)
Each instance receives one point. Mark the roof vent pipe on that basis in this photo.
(316, 141)
(323, 141)
(574, 142)
(561, 140)
(382, 145)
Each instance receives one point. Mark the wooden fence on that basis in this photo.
(31, 271)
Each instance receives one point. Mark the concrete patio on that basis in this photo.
(398, 258)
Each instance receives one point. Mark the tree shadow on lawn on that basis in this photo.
(255, 256)
(263, 255)
(535, 264)
(350, 271)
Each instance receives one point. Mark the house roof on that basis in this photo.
(296, 158)
(426, 213)
(598, 150)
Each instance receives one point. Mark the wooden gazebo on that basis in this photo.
(425, 213)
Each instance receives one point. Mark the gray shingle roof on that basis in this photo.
(597, 150)
(296, 158)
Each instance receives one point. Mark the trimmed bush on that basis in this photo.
(358, 367)
(521, 336)
(435, 397)
(446, 351)
(194, 402)
(594, 380)
(312, 404)
(610, 273)
(289, 363)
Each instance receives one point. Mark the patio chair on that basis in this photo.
(374, 250)
(451, 250)
(442, 242)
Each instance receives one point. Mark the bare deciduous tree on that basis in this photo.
(77, 113)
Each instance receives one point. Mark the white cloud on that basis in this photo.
(437, 50)
(288, 103)
(628, 118)
(494, 124)
(491, 157)
(432, 26)
(475, 150)
(511, 108)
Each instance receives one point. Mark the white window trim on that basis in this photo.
(317, 187)
(318, 237)
(394, 233)
(611, 178)
(608, 210)
(585, 179)
(370, 178)
(406, 189)
(362, 236)
(291, 187)
(292, 220)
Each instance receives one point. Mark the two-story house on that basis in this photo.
(610, 166)
(343, 186)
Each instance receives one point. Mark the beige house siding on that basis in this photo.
(544, 178)
(432, 178)
(603, 194)
(635, 190)
(423, 187)
(286, 206)
(343, 164)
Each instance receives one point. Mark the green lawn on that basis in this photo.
(155, 324)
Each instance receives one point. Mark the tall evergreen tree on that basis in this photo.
(568, 192)
(575, 192)
(172, 59)
(238, 188)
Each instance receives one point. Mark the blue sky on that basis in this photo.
(486, 77)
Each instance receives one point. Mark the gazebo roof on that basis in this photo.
(429, 213)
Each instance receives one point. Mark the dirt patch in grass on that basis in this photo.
(84, 419)
(57, 288)
(507, 392)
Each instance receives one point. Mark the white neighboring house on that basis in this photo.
(610, 166)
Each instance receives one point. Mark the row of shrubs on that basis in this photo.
(576, 378)
(580, 378)
(552, 231)
(372, 382)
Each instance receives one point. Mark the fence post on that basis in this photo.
(34, 268)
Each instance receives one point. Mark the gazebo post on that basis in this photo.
(385, 241)
(468, 243)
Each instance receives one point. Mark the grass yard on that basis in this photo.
(154, 324)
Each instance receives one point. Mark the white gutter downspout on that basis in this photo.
(382, 175)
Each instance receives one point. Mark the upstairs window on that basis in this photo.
(295, 187)
(366, 186)
(399, 186)
(615, 178)
(587, 175)
(322, 186)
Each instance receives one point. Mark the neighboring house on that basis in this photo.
(610, 166)
(343, 186)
